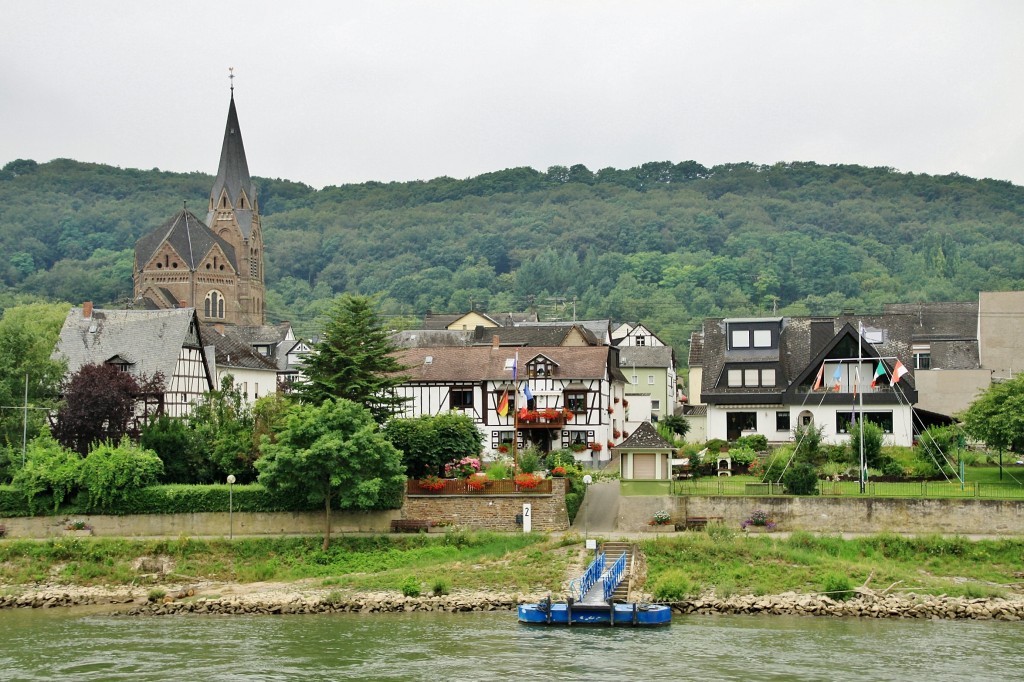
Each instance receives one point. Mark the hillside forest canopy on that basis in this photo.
(664, 243)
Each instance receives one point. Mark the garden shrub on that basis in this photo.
(672, 585)
(742, 455)
(755, 441)
(441, 587)
(499, 471)
(561, 458)
(109, 473)
(12, 501)
(801, 479)
(873, 439)
(529, 461)
(715, 445)
(893, 469)
(50, 470)
(807, 442)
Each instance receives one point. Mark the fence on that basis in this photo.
(922, 489)
(468, 487)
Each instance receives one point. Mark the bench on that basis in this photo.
(410, 525)
(700, 522)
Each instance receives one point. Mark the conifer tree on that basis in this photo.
(354, 360)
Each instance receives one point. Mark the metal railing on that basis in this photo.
(579, 587)
(723, 486)
(466, 487)
(614, 576)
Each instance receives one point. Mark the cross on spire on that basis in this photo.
(231, 79)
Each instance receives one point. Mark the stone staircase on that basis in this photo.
(612, 550)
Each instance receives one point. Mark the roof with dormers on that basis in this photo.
(188, 236)
(486, 363)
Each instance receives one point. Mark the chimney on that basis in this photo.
(87, 310)
(495, 342)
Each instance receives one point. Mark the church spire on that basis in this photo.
(233, 171)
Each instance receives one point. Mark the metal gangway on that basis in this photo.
(597, 585)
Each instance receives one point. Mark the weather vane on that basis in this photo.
(231, 78)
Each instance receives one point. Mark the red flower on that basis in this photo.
(431, 483)
(596, 447)
(558, 472)
(610, 409)
(527, 480)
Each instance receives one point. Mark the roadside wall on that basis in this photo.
(207, 524)
(836, 514)
(492, 512)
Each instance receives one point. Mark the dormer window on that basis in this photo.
(541, 369)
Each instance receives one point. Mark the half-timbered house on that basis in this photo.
(144, 343)
(558, 396)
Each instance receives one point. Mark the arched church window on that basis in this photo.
(213, 306)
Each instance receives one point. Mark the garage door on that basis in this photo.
(643, 466)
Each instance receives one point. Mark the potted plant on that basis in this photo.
(503, 448)
(551, 414)
(610, 409)
(527, 480)
(476, 482)
(596, 447)
(617, 434)
(77, 527)
(759, 522)
(567, 414)
(578, 447)
(558, 472)
(462, 468)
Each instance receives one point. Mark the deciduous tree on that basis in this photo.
(333, 454)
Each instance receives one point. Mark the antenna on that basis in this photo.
(231, 79)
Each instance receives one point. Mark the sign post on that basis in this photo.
(527, 518)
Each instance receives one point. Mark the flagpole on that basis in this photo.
(860, 415)
(515, 414)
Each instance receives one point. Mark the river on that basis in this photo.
(69, 644)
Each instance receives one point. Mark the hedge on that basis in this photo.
(185, 499)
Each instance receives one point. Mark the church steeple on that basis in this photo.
(233, 187)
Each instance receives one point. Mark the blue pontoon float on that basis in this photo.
(590, 602)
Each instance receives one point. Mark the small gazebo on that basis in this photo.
(645, 455)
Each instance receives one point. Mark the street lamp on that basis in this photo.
(231, 504)
(587, 480)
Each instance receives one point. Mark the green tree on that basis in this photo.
(997, 416)
(184, 457)
(416, 439)
(334, 453)
(99, 403)
(677, 424)
(223, 425)
(874, 436)
(354, 360)
(28, 335)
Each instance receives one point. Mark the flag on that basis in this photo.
(898, 372)
(837, 378)
(820, 378)
(856, 381)
(879, 374)
(503, 404)
(515, 367)
(527, 392)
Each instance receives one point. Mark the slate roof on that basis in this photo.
(533, 335)
(149, 339)
(483, 363)
(646, 356)
(432, 338)
(432, 321)
(601, 329)
(802, 341)
(188, 236)
(232, 351)
(233, 172)
(644, 437)
(939, 321)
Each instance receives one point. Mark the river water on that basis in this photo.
(46, 645)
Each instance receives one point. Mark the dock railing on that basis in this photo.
(579, 587)
(614, 576)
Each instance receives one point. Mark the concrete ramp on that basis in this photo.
(600, 509)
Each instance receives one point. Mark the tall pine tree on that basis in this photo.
(354, 360)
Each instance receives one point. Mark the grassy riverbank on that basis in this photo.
(688, 564)
(728, 563)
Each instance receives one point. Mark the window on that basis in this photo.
(782, 421)
(735, 378)
(641, 340)
(762, 338)
(922, 356)
(213, 306)
(741, 338)
(655, 405)
(650, 379)
(540, 369)
(576, 401)
(883, 419)
(636, 380)
(751, 377)
(767, 377)
(461, 398)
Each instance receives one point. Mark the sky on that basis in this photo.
(330, 93)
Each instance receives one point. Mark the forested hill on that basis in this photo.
(666, 244)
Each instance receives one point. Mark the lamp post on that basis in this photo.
(587, 480)
(231, 505)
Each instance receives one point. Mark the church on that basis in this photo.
(215, 267)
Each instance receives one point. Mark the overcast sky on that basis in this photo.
(337, 92)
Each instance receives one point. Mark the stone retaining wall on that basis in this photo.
(839, 514)
(205, 524)
(492, 512)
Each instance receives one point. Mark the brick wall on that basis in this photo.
(492, 512)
